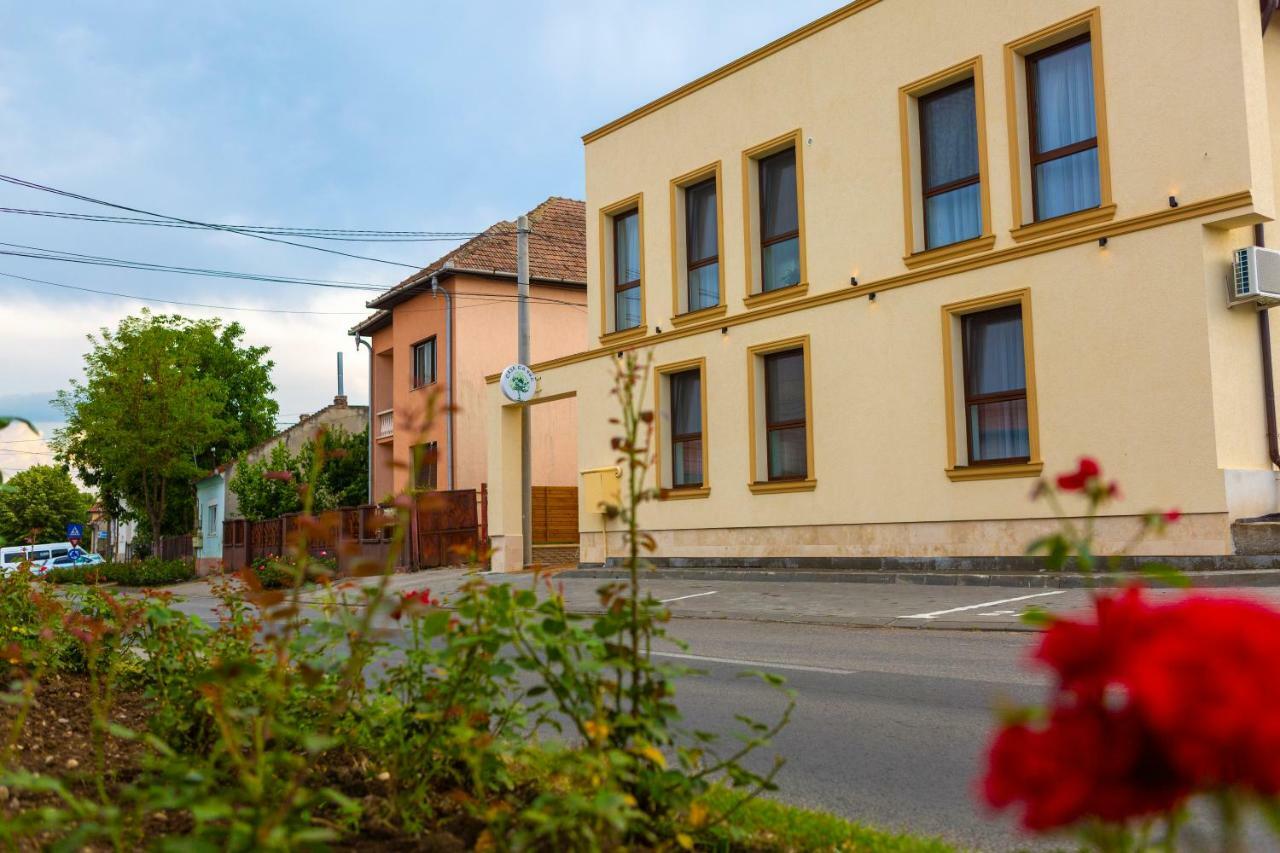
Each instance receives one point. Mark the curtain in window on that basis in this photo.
(953, 217)
(702, 243)
(995, 385)
(785, 415)
(949, 155)
(779, 215)
(626, 248)
(686, 403)
(1063, 93)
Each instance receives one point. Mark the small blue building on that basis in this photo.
(211, 504)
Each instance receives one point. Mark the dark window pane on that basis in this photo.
(1067, 184)
(704, 287)
(993, 356)
(779, 213)
(788, 454)
(626, 248)
(686, 403)
(999, 430)
(627, 308)
(780, 265)
(784, 387)
(424, 465)
(701, 236)
(424, 363)
(1063, 97)
(953, 217)
(686, 463)
(949, 135)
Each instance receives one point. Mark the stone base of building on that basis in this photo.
(206, 566)
(1205, 534)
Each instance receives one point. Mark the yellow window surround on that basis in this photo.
(1015, 53)
(608, 334)
(951, 343)
(755, 403)
(681, 314)
(912, 171)
(754, 297)
(662, 406)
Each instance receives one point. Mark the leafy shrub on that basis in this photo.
(152, 571)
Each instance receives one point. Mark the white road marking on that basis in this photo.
(756, 663)
(983, 604)
(683, 597)
(999, 613)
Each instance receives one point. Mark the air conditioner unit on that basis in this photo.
(1255, 278)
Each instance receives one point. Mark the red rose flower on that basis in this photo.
(1077, 480)
(1172, 515)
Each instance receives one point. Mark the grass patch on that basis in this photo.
(767, 825)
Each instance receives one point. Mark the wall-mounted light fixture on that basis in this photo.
(724, 330)
(871, 297)
(657, 330)
(853, 281)
(1102, 242)
(1173, 201)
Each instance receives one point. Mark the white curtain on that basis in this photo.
(1064, 116)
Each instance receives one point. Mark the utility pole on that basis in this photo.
(522, 356)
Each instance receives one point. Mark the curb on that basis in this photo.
(1038, 580)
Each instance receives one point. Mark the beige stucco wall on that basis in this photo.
(484, 343)
(1138, 360)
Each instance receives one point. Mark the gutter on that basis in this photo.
(1268, 372)
(403, 291)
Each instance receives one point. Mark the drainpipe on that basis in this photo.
(448, 346)
(1268, 374)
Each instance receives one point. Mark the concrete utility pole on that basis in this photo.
(522, 356)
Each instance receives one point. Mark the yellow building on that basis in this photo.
(895, 265)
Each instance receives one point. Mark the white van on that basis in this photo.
(41, 555)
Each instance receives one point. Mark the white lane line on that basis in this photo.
(683, 597)
(756, 663)
(980, 606)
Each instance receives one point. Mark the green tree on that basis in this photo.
(344, 479)
(261, 486)
(37, 504)
(165, 399)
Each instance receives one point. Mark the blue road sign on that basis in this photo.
(75, 531)
(75, 553)
(102, 534)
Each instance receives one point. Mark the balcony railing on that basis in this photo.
(386, 423)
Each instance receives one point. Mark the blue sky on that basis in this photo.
(381, 115)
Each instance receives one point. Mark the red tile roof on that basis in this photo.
(557, 252)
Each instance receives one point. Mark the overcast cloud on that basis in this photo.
(379, 115)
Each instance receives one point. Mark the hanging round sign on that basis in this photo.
(518, 383)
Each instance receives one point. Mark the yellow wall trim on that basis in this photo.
(912, 169)
(754, 353)
(626, 205)
(1164, 216)
(952, 311)
(738, 64)
(1016, 105)
(782, 294)
(697, 176)
(1060, 224)
(699, 316)
(666, 492)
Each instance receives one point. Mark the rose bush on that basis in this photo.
(1151, 703)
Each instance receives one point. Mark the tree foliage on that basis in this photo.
(37, 504)
(165, 399)
(271, 485)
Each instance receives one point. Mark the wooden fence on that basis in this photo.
(444, 526)
(179, 547)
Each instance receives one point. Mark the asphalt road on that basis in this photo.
(889, 726)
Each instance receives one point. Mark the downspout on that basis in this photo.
(1268, 374)
(448, 346)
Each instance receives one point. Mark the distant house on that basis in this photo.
(216, 503)
(437, 335)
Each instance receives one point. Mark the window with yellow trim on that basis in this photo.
(781, 412)
(991, 414)
(682, 428)
(622, 266)
(773, 185)
(697, 241)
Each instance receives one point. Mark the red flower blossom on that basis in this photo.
(411, 602)
(1153, 702)
(1077, 480)
(1172, 515)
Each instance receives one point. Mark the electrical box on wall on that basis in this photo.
(1255, 278)
(601, 487)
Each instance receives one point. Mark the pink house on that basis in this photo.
(436, 335)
